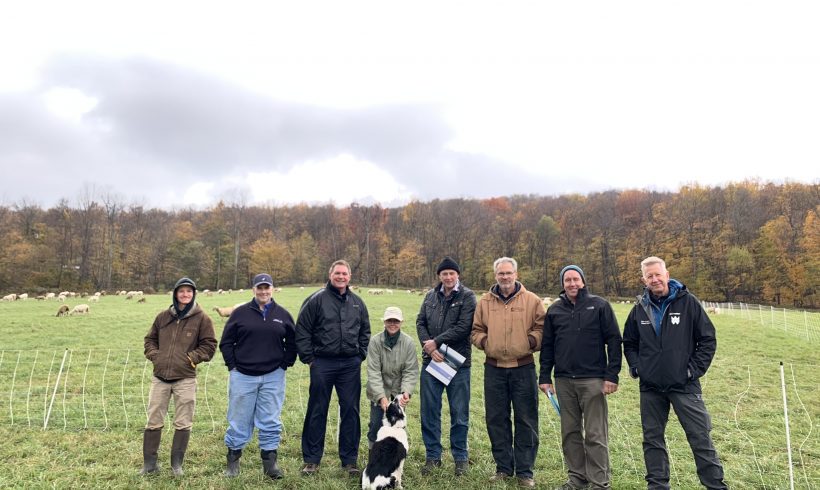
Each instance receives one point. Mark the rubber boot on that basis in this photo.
(232, 469)
(150, 445)
(269, 466)
(178, 448)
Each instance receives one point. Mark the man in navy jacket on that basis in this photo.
(258, 345)
(669, 343)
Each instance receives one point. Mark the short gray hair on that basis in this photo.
(502, 260)
(652, 261)
(340, 262)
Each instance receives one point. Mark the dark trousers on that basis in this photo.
(376, 417)
(516, 388)
(696, 423)
(345, 375)
(458, 396)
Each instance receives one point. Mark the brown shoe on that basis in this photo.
(525, 482)
(351, 470)
(310, 469)
(461, 467)
(499, 477)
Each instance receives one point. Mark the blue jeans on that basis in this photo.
(255, 401)
(458, 396)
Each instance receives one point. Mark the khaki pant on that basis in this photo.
(584, 430)
(184, 392)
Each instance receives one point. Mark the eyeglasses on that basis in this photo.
(504, 273)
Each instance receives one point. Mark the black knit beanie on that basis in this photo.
(448, 263)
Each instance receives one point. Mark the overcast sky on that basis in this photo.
(182, 103)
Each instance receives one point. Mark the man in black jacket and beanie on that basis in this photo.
(332, 335)
(582, 342)
(446, 318)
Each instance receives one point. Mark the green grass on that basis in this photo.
(93, 439)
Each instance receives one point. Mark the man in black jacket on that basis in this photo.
(446, 317)
(669, 343)
(332, 335)
(583, 343)
(258, 345)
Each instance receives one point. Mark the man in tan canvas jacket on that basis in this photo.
(507, 326)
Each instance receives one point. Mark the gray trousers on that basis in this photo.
(696, 423)
(584, 430)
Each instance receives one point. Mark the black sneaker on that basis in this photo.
(461, 467)
(429, 465)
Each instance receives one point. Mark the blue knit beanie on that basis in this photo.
(572, 268)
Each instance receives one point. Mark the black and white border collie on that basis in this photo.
(386, 462)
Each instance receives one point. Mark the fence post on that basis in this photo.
(54, 394)
(788, 434)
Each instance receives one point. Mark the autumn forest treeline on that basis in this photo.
(746, 241)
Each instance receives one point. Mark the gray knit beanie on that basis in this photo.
(572, 268)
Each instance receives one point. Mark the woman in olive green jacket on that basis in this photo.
(392, 369)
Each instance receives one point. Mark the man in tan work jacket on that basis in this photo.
(507, 326)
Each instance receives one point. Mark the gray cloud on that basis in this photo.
(158, 126)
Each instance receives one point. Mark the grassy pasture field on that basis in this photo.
(94, 433)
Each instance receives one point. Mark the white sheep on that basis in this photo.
(94, 299)
(51, 296)
(80, 310)
(23, 296)
(224, 312)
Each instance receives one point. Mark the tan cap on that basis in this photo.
(394, 313)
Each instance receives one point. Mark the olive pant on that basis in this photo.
(584, 430)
